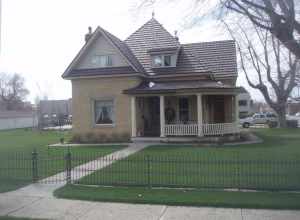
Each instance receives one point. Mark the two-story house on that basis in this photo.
(151, 85)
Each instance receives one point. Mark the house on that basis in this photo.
(54, 112)
(245, 103)
(18, 119)
(293, 106)
(151, 85)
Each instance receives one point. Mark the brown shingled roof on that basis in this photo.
(218, 57)
(151, 36)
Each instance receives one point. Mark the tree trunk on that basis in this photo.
(281, 112)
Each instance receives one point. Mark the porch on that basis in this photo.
(184, 115)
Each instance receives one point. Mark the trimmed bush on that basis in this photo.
(91, 137)
(76, 138)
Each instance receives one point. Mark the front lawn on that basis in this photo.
(272, 165)
(16, 148)
(258, 200)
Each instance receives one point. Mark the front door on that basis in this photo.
(152, 127)
(219, 109)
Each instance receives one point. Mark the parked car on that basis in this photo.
(260, 118)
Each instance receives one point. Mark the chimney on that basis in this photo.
(88, 35)
(176, 36)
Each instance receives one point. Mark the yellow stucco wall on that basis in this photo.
(85, 91)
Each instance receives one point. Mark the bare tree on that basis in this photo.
(269, 67)
(12, 90)
(280, 17)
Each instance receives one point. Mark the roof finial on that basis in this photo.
(153, 14)
(175, 35)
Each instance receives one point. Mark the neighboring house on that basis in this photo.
(245, 103)
(261, 107)
(54, 112)
(152, 85)
(17, 119)
(293, 106)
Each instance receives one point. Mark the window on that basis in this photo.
(162, 61)
(104, 112)
(102, 60)
(242, 102)
(271, 115)
(167, 60)
(184, 109)
(157, 61)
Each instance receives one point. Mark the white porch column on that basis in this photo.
(199, 114)
(162, 115)
(133, 116)
(236, 112)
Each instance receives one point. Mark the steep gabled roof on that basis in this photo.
(151, 36)
(116, 42)
(217, 58)
(125, 50)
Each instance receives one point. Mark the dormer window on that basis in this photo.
(162, 61)
(167, 60)
(157, 61)
(102, 60)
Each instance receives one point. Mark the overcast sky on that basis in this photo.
(39, 38)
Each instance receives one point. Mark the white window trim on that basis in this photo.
(163, 60)
(92, 104)
(103, 55)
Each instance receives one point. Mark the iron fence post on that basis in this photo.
(148, 171)
(68, 167)
(34, 158)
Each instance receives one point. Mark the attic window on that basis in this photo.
(157, 61)
(102, 60)
(162, 60)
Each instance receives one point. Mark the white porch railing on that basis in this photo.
(220, 128)
(207, 129)
(181, 129)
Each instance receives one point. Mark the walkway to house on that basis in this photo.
(77, 171)
(37, 201)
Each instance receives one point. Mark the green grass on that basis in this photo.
(272, 165)
(263, 200)
(17, 145)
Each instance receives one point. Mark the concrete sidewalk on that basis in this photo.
(35, 201)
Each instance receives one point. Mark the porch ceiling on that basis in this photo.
(181, 86)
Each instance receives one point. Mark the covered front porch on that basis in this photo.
(184, 115)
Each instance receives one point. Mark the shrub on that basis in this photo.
(102, 138)
(273, 124)
(89, 137)
(76, 138)
(120, 137)
(125, 137)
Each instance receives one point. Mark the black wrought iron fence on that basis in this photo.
(152, 171)
(191, 172)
